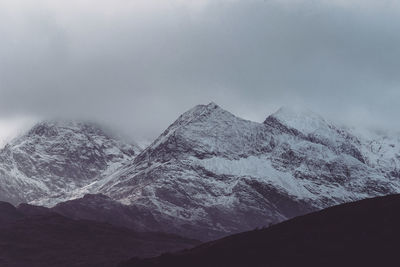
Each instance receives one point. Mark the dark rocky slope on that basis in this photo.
(35, 237)
(363, 233)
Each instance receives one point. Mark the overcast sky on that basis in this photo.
(138, 64)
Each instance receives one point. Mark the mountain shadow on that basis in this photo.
(362, 233)
(36, 237)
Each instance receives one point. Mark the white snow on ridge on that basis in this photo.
(257, 168)
(213, 168)
(261, 169)
(55, 158)
(302, 120)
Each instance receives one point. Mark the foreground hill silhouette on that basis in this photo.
(362, 233)
(36, 237)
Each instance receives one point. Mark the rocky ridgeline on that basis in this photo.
(212, 173)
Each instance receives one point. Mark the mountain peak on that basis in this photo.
(209, 107)
(201, 129)
(290, 113)
(51, 128)
(55, 156)
(44, 128)
(198, 112)
(212, 105)
(300, 118)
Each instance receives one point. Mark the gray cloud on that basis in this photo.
(138, 66)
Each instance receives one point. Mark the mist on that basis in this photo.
(137, 65)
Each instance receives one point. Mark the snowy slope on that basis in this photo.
(58, 157)
(212, 173)
(215, 172)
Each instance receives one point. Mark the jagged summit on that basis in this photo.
(195, 117)
(199, 112)
(61, 130)
(211, 105)
(52, 128)
(57, 156)
(203, 131)
(54, 123)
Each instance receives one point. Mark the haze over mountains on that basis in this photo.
(208, 175)
(108, 160)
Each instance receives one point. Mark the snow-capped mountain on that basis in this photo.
(55, 157)
(209, 174)
(212, 173)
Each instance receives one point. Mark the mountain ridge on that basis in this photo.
(211, 173)
(59, 156)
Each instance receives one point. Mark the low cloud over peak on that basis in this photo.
(140, 64)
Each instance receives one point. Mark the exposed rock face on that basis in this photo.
(58, 157)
